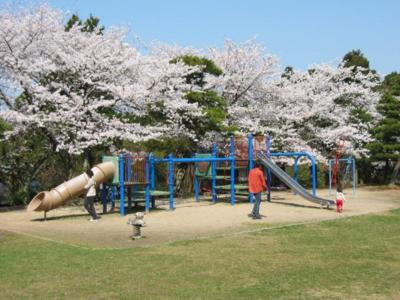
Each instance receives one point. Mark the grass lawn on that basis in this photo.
(357, 258)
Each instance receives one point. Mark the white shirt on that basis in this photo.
(91, 185)
(340, 196)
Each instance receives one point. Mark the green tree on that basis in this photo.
(386, 147)
(288, 72)
(391, 84)
(22, 158)
(4, 126)
(213, 106)
(32, 155)
(355, 58)
(89, 25)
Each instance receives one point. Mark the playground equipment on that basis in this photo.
(241, 154)
(292, 183)
(213, 159)
(45, 201)
(248, 152)
(335, 171)
(350, 169)
(297, 156)
(137, 224)
(134, 175)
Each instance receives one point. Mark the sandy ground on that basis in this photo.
(190, 219)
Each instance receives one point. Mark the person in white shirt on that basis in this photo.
(90, 196)
(339, 199)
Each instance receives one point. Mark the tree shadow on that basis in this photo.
(132, 210)
(6, 208)
(297, 205)
(64, 217)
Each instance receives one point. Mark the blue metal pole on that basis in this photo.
(232, 155)
(171, 181)
(196, 187)
(214, 174)
(113, 193)
(129, 175)
(147, 186)
(129, 167)
(269, 173)
(314, 178)
(196, 182)
(121, 185)
(152, 173)
(193, 160)
(296, 169)
(251, 160)
(104, 198)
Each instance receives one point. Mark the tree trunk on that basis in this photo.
(184, 180)
(89, 159)
(395, 173)
(188, 181)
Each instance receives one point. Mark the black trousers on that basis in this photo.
(89, 205)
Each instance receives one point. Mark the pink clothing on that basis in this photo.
(339, 205)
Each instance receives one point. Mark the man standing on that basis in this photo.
(257, 185)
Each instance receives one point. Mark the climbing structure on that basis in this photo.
(336, 165)
(342, 168)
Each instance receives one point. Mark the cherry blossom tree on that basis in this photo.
(85, 89)
(320, 106)
(303, 110)
(248, 70)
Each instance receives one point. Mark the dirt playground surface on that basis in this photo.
(189, 220)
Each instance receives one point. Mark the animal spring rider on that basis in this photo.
(137, 224)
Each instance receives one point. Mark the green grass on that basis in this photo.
(350, 258)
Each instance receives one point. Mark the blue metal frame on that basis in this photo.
(129, 178)
(171, 161)
(232, 157)
(313, 165)
(349, 160)
(296, 169)
(171, 181)
(104, 198)
(176, 160)
(152, 172)
(196, 185)
(214, 174)
(151, 178)
(123, 161)
(147, 187)
(269, 173)
(122, 185)
(251, 160)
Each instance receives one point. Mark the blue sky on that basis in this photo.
(299, 32)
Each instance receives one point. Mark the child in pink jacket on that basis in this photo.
(339, 199)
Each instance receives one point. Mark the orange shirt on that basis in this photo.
(256, 181)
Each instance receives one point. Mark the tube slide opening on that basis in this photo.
(36, 201)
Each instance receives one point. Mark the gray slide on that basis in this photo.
(293, 184)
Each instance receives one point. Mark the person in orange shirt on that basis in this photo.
(257, 184)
